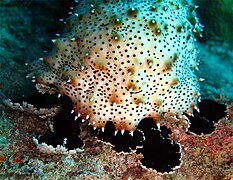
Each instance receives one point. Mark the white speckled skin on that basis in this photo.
(123, 61)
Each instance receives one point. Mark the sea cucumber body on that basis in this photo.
(123, 61)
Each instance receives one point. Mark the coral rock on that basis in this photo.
(123, 61)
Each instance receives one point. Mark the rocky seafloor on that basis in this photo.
(27, 28)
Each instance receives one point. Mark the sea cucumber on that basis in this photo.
(125, 60)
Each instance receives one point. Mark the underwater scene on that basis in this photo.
(116, 89)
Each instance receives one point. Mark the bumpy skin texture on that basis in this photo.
(123, 61)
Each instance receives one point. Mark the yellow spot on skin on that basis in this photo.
(117, 21)
(137, 101)
(155, 116)
(165, 8)
(119, 125)
(152, 23)
(149, 62)
(192, 106)
(116, 37)
(114, 98)
(175, 57)
(157, 102)
(132, 12)
(168, 65)
(195, 93)
(172, 3)
(131, 70)
(132, 86)
(153, 8)
(196, 33)
(179, 29)
(192, 19)
(174, 82)
(157, 31)
(100, 65)
(188, 36)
